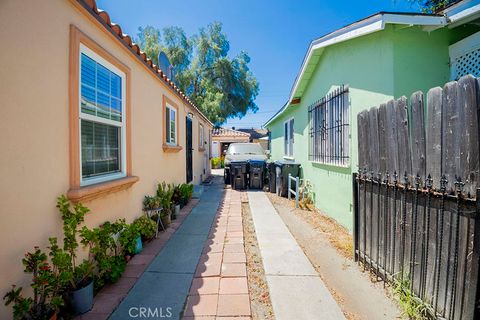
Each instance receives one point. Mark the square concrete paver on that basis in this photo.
(234, 270)
(233, 285)
(230, 257)
(207, 285)
(233, 305)
(201, 305)
(234, 247)
(213, 248)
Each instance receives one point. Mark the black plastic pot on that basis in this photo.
(81, 300)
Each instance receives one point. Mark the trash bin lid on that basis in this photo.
(281, 163)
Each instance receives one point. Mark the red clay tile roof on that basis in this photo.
(222, 132)
(116, 30)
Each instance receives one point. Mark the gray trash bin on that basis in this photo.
(282, 169)
(238, 175)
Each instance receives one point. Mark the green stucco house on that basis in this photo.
(384, 56)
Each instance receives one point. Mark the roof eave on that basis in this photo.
(360, 28)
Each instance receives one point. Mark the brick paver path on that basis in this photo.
(219, 289)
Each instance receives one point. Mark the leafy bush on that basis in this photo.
(146, 226)
(104, 250)
(47, 289)
(128, 237)
(165, 194)
(215, 163)
(186, 191)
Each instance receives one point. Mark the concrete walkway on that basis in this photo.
(162, 289)
(296, 290)
(220, 289)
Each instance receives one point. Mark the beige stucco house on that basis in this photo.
(84, 113)
(222, 137)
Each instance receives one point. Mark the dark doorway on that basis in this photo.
(189, 149)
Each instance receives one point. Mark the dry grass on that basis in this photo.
(337, 235)
(257, 283)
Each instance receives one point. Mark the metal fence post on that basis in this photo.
(297, 182)
(355, 218)
(289, 185)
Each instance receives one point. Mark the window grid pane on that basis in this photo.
(100, 145)
(101, 90)
(329, 128)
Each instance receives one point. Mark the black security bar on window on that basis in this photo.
(328, 120)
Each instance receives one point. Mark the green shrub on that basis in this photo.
(104, 250)
(186, 191)
(128, 238)
(146, 226)
(215, 162)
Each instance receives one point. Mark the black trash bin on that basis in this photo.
(238, 175)
(257, 169)
(282, 169)
(272, 177)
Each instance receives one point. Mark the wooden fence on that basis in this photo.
(417, 199)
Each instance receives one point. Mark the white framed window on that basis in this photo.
(288, 137)
(201, 138)
(171, 125)
(102, 119)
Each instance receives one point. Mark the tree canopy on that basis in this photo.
(220, 86)
(432, 6)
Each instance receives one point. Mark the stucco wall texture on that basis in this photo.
(378, 67)
(34, 130)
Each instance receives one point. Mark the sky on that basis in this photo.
(275, 34)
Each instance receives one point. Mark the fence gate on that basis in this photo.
(417, 196)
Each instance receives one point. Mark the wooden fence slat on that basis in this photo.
(434, 135)
(417, 137)
(451, 134)
(363, 153)
(373, 140)
(469, 161)
(403, 142)
(391, 139)
(382, 138)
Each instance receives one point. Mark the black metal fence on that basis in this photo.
(422, 226)
(431, 239)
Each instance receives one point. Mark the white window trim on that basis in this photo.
(168, 139)
(123, 155)
(288, 154)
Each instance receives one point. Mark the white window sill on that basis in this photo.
(289, 158)
(345, 166)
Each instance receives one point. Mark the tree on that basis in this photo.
(432, 6)
(220, 86)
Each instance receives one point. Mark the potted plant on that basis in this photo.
(130, 240)
(165, 193)
(147, 227)
(77, 277)
(186, 191)
(151, 203)
(176, 201)
(47, 290)
(105, 251)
